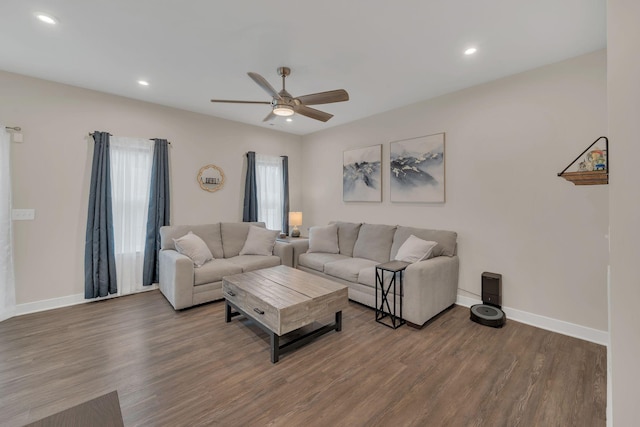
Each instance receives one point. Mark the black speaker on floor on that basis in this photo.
(489, 313)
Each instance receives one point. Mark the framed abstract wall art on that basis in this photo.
(417, 169)
(361, 174)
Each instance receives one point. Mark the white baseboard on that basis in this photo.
(554, 325)
(8, 314)
(50, 304)
(543, 322)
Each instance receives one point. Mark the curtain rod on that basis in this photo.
(16, 128)
(151, 139)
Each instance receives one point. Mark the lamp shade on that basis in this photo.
(295, 219)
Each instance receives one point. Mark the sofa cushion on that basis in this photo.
(374, 242)
(414, 249)
(210, 233)
(324, 239)
(260, 241)
(317, 260)
(254, 262)
(214, 271)
(234, 234)
(348, 269)
(347, 236)
(446, 240)
(194, 247)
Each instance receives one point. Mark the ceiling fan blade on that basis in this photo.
(328, 97)
(312, 113)
(264, 84)
(269, 117)
(240, 102)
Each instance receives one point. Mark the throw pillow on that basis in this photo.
(193, 247)
(260, 241)
(415, 249)
(324, 239)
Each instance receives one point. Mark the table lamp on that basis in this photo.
(295, 219)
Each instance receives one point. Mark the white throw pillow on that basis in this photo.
(193, 247)
(324, 239)
(415, 249)
(260, 241)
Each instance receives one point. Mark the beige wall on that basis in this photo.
(506, 140)
(623, 63)
(505, 143)
(51, 170)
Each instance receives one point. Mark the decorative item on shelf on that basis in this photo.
(597, 159)
(295, 220)
(594, 169)
(210, 178)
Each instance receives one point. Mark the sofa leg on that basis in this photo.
(413, 325)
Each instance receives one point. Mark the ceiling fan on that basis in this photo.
(283, 104)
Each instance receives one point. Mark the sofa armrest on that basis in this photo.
(176, 278)
(430, 286)
(285, 252)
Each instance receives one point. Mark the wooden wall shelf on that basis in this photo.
(587, 178)
(596, 177)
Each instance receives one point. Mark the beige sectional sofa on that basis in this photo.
(185, 284)
(430, 285)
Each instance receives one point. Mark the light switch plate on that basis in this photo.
(23, 214)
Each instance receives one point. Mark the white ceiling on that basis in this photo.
(386, 54)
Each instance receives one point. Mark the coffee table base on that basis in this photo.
(276, 348)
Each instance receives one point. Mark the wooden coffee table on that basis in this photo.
(282, 299)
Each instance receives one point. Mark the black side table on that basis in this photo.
(396, 268)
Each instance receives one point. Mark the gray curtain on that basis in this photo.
(99, 258)
(159, 214)
(285, 194)
(250, 209)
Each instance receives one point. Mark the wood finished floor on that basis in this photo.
(189, 368)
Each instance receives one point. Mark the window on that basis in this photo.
(131, 162)
(269, 183)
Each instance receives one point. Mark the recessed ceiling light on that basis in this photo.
(289, 119)
(48, 19)
(143, 83)
(470, 51)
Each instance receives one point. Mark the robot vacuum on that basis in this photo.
(488, 315)
(489, 312)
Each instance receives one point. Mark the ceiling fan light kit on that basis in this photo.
(285, 105)
(283, 110)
